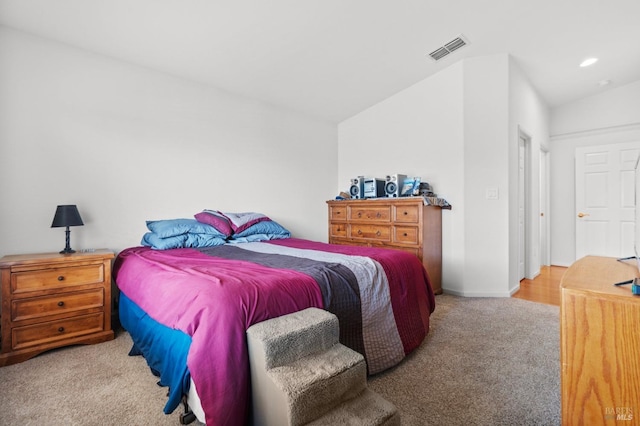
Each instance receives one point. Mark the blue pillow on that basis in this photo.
(155, 242)
(265, 230)
(203, 240)
(174, 227)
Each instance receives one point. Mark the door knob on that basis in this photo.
(583, 214)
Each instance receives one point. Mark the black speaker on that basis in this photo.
(393, 185)
(356, 190)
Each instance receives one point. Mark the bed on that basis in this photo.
(187, 304)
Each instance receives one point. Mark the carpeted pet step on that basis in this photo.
(366, 409)
(288, 338)
(300, 373)
(315, 384)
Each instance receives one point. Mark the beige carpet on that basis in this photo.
(485, 362)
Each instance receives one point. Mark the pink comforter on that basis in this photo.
(215, 299)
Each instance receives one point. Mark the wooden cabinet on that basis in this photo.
(51, 300)
(397, 223)
(599, 344)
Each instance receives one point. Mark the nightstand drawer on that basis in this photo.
(405, 235)
(44, 279)
(23, 309)
(48, 332)
(370, 213)
(371, 232)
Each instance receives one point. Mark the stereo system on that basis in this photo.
(373, 188)
(393, 185)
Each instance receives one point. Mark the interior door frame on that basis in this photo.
(545, 208)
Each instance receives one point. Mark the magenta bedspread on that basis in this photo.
(215, 294)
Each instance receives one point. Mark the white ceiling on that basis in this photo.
(334, 58)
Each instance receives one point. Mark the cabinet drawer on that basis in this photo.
(370, 213)
(370, 232)
(338, 213)
(22, 309)
(406, 214)
(338, 230)
(52, 278)
(53, 331)
(405, 235)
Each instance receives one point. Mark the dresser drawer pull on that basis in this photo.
(60, 278)
(405, 213)
(359, 232)
(359, 214)
(61, 329)
(61, 303)
(405, 234)
(377, 233)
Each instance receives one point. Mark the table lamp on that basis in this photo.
(67, 215)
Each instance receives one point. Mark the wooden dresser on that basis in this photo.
(51, 300)
(399, 223)
(599, 344)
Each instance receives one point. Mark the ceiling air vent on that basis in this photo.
(448, 47)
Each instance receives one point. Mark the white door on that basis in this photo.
(605, 199)
(545, 255)
(522, 243)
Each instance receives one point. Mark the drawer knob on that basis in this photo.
(405, 234)
(378, 214)
(359, 232)
(405, 213)
(359, 214)
(61, 303)
(61, 329)
(60, 278)
(378, 233)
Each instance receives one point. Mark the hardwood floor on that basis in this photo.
(545, 288)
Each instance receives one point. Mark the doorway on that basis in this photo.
(545, 234)
(522, 205)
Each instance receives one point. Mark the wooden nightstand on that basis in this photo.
(51, 300)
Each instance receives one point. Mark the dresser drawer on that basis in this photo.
(406, 235)
(48, 332)
(370, 213)
(406, 213)
(68, 276)
(338, 230)
(338, 213)
(36, 307)
(370, 232)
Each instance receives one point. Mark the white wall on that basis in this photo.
(486, 92)
(607, 118)
(455, 130)
(128, 144)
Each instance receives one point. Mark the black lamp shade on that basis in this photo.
(67, 216)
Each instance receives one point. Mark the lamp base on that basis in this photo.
(67, 246)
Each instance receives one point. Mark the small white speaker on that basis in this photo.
(356, 190)
(393, 185)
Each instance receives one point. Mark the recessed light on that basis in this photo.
(588, 62)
